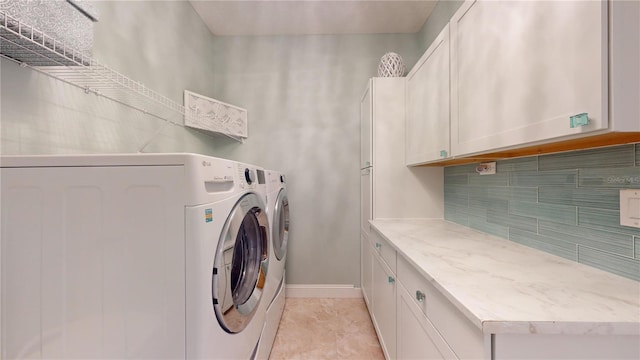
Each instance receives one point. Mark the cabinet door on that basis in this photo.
(521, 69)
(417, 337)
(366, 211)
(384, 306)
(427, 129)
(366, 271)
(365, 128)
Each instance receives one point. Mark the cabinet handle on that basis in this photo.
(378, 246)
(443, 153)
(420, 296)
(579, 120)
(367, 163)
(391, 280)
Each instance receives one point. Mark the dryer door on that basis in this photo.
(280, 233)
(241, 264)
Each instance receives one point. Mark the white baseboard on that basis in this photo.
(323, 291)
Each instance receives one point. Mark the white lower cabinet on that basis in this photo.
(384, 306)
(452, 330)
(413, 319)
(366, 270)
(417, 338)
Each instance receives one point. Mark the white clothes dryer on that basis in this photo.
(144, 256)
(278, 214)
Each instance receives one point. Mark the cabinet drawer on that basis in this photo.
(464, 338)
(417, 338)
(386, 251)
(413, 281)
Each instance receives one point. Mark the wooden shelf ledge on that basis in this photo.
(590, 142)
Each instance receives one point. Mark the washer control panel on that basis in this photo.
(247, 176)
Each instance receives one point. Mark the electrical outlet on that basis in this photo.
(488, 168)
(630, 207)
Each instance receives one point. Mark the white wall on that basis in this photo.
(302, 94)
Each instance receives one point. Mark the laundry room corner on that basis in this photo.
(302, 94)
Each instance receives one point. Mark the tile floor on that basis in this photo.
(313, 328)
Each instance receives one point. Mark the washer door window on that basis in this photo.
(280, 233)
(241, 264)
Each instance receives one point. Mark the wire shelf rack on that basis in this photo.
(33, 48)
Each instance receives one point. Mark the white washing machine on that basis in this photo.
(278, 214)
(152, 256)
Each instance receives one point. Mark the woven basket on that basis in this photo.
(391, 65)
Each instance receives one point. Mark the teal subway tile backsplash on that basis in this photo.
(620, 244)
(493, 180)
(616, 264)
(477, 211)
(456, 194)
(566, 204)
(461, 179)
(541, 242)
(560, 213)
(512, 221)
(452, 213)
(616, 156)
(628, 177)
(525, 194)
(602, 219)
(479, 200)
(531, 178)
(481, 207)
(593, 198)
(518, 164)
(481, 223)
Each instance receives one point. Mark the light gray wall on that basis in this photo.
(302, 94)
(303, 98)
(437, 20)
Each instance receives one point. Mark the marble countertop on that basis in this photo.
(504, 287)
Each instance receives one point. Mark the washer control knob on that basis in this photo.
(250, 176)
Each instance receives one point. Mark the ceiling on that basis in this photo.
(289, 17)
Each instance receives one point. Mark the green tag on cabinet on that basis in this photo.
(579, 120)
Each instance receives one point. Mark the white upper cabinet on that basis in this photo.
(427, 129)
(526, 72)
